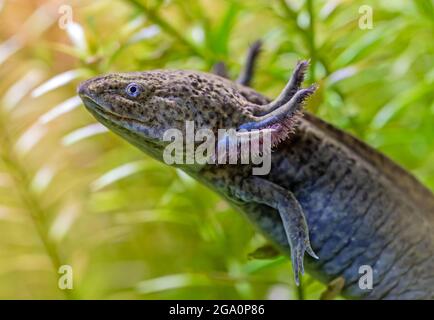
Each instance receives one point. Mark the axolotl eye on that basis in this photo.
(133, 89)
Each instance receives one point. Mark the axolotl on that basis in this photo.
(327, 194)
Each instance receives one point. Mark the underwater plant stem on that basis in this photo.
(30, 201)
(311, 38)
(300, 291)
(307, 35)
(168, 28)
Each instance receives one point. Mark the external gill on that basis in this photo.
(278, 118)
(281, 116)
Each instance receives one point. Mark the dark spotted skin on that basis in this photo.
(361, 208)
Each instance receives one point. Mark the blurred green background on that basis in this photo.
(72, 193)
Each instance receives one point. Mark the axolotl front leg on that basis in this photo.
(261, 191)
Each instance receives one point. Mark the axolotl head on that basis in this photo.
(142, 106)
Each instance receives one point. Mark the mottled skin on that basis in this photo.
(360, 207)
